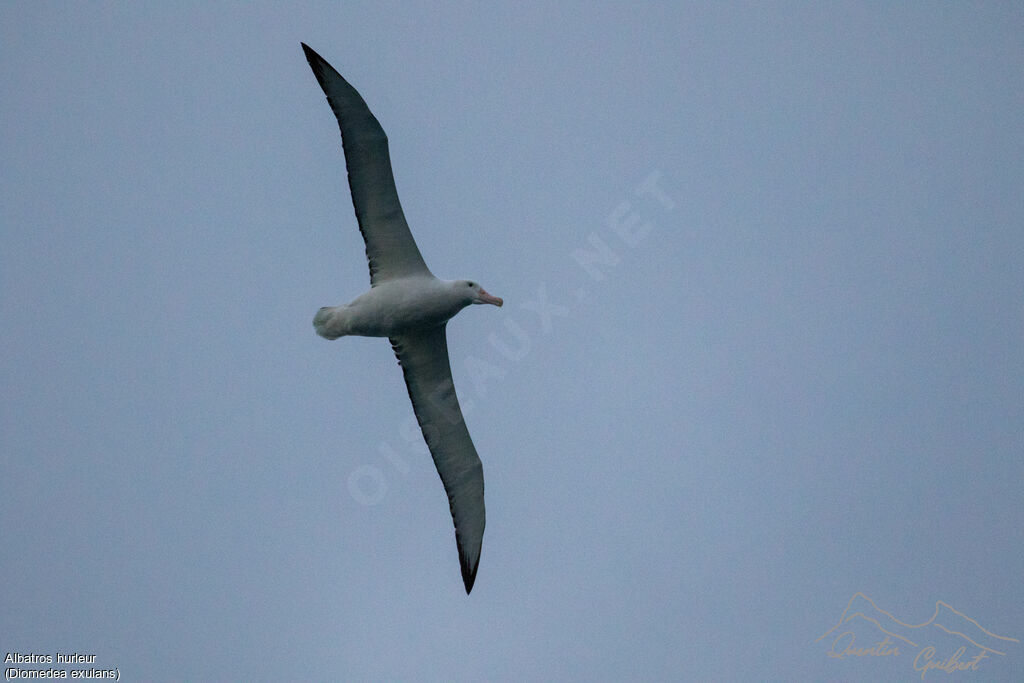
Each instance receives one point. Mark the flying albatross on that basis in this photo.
(410, 307)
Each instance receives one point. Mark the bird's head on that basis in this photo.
(474, 293)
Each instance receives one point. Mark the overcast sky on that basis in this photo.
(760, 366)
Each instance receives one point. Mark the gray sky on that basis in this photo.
(762, 348)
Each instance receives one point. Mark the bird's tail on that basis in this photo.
(327, 323)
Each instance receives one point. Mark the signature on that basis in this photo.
(925, 662)
(883, 648)
(899, 637)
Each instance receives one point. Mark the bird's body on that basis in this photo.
(410, 307)
(396, 307)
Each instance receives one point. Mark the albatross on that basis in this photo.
(410, 307)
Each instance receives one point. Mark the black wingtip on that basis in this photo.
(469, 575)
(316, 62)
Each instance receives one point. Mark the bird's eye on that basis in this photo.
(469, 284)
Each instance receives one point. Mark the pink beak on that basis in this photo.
(488, 299)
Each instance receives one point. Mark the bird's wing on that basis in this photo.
(423, 356)
(390, 249)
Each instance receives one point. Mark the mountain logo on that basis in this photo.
(950, 641)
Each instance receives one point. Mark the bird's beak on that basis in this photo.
(485, 298)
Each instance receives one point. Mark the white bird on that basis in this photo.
(410, 306)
